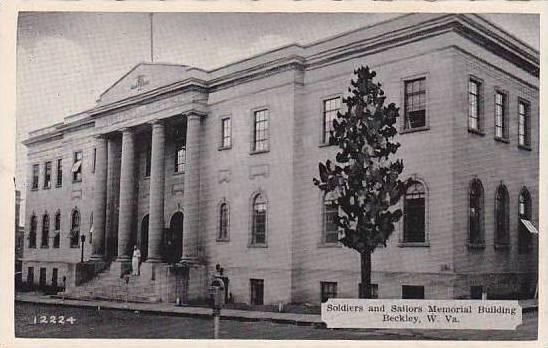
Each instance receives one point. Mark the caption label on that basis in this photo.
(422, 314)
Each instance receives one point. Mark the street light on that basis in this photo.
(83, 240)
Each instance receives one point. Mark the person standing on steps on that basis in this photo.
(136, 260)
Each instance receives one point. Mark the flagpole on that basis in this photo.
(151, 39)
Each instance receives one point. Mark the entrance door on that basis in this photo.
(144, 238)
(173, 246)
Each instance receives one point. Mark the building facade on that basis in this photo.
(199, 168)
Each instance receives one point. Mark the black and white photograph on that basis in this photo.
(277, 175)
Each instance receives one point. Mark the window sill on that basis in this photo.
(258, 152)
(222, 148)
(502, 140)
(476, 131)
(501, 246)
(325, 145)
(74, 246)
(58, 186)
(222, 240)
(34, 189)
(476, 245)
(178, 173)
(525, 147)
(260, 246)
(414, 244)
(46, 187)
(146, 177)
(413, 130)
(44, 247)
(329, 245)
(77, 181)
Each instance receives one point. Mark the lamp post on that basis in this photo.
(83, 240)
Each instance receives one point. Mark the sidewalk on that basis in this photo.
(171, 309)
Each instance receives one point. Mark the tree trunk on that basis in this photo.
(365, 288)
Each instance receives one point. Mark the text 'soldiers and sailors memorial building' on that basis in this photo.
(199, 168)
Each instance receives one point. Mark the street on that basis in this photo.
(108, 323)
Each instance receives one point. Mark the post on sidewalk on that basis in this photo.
(216, 301)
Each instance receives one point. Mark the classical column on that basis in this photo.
(99, 199)
(127, 195)
(113, 172)
(191, 189)
(156, 203)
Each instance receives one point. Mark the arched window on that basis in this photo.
(75, 229)
(330, 214)
(502, 217)
(45, 231)
(258, 229)
(32, 232)
(57, 232)
(524, 213)
(414, 209)
(475, 236)
(224, 221)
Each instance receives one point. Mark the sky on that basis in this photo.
(66, 60)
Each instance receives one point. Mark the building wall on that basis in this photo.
(316, 262)
(493, 162)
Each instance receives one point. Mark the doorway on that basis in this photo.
(144, 238)
(173, 246)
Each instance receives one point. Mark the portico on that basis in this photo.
(127, 217)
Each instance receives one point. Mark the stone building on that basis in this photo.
(199, 168)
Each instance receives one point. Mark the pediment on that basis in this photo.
(142, 78)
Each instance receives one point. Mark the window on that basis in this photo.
(524, 213)
(75, 229)
(524, 136)
(226, 132)
(32, 232)
(43, 276)
(30, 276)
(45, 231)
(502, 217)
(474, 121)
(257, 291)
(476, 292)
(47, 175)
(330, 109)
(475, 237)
(148, 161)
(90, 239)
(59, 172)
(54, 276)
(374, 290)
(328, 290)
(35, 173)
(223, 222)
(330, 214)
(180, 157)
(258, 232)
(260, 131)
(57, 232)
(414, 214)
(415, 103)
(501, 124)
(412, 292)
(77, 166)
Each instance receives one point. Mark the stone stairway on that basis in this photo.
(108, 285)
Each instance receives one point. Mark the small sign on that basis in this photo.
(422, 314)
